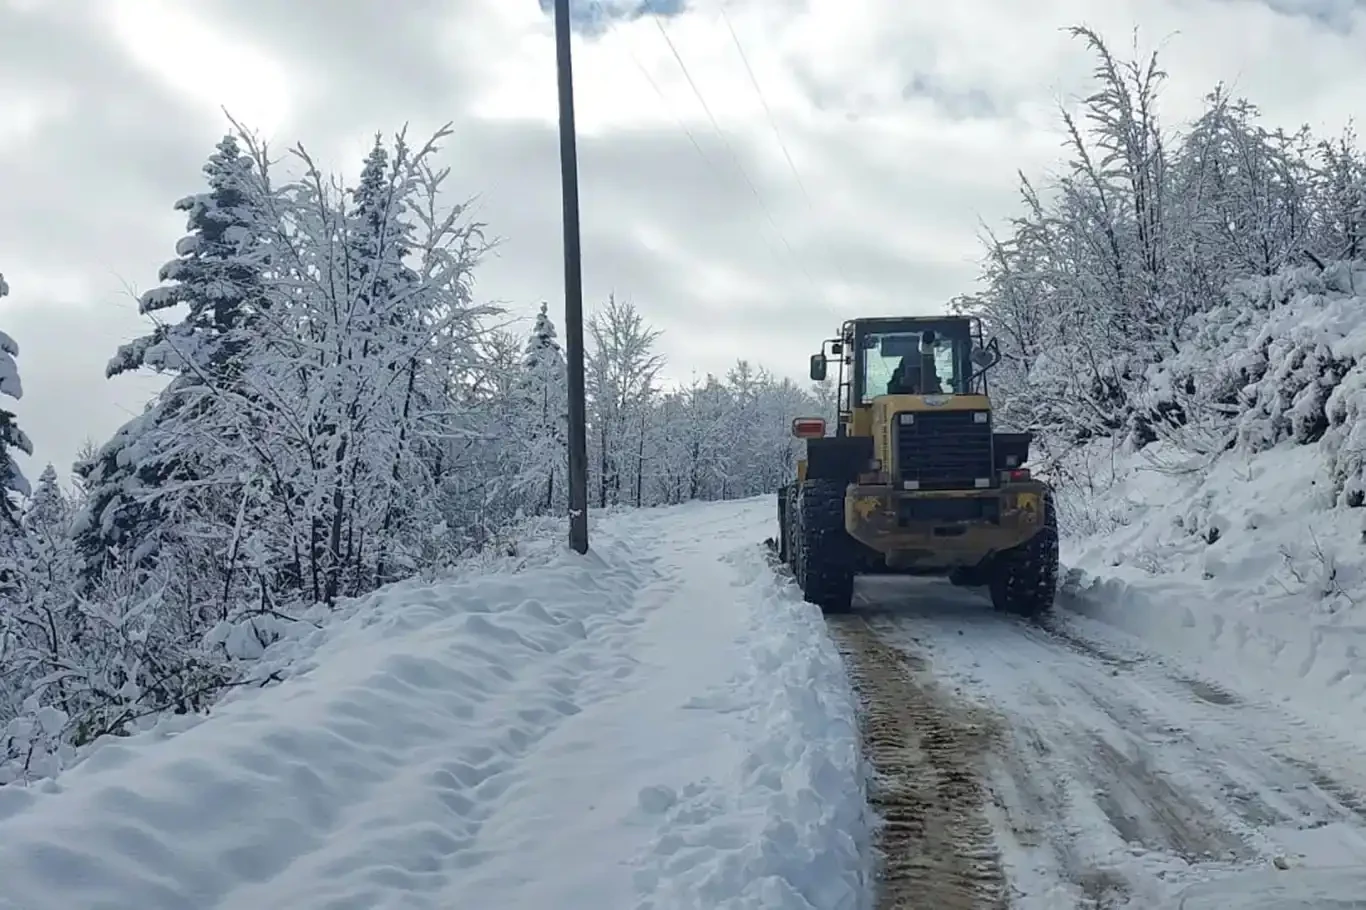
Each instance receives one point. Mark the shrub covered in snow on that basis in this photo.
(1283, 361)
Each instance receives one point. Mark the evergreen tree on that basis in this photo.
(543, 401)
(379, 240)
(47, 508)
(12, 439)
(216, 275)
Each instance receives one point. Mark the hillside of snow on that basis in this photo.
(1238, 539)
(659, 723)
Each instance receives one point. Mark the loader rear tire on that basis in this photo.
(822, 549)
(790, 526)
(1024, 579)
(784, 537)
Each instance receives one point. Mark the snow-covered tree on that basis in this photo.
(1338, 198)
(541, 433)
(340, 413)
(216, 276)
(159, 463)
(48, 508)
(376, 340)
(621, 374)
(12, 439)
(1189, 286)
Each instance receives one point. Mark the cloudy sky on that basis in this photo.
(905, 123)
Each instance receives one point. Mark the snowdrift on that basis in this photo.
(1237, 540)
(1283, 361)
(661, 723)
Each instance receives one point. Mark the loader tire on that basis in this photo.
(1024, 579)
(785, 506)
(782, 525)
(790, 526)
(823, 563)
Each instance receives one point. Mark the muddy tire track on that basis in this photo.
(927, 752)
(1116, 778)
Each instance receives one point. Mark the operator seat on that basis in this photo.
(930, 374)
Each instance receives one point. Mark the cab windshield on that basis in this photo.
(920, 362)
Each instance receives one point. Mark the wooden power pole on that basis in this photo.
(573, 288)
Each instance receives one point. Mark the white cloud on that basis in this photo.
(208, 65)
(23, 114)
(906, 122)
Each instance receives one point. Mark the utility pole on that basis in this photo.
(573, 288)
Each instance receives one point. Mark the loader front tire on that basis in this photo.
(1024, 579)
(822, 551)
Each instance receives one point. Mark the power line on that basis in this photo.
(692, 137)
(753, 80)
(644, 71)
(730, 148)
(773, 122)
(725, 141)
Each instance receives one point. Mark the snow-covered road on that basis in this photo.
(664, 725)
(1108, 777)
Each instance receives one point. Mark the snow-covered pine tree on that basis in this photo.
(12, 439)
(47, 507)
(169, 463)
(216, 276)
(13, 483)
(50, 626)
(543, 399)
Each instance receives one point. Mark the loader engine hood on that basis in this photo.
(1328, 888)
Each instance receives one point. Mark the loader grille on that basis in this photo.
(944, 450)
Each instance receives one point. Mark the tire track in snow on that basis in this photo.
(1116, 779)
(936, 843)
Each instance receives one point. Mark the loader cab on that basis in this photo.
(930, 356)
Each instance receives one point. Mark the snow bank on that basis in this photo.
(1244, 567)
(1235, 541)
(661, 723)
(1283, 360)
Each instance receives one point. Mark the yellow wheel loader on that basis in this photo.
(915, 479)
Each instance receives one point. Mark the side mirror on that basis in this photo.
(817, 367)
